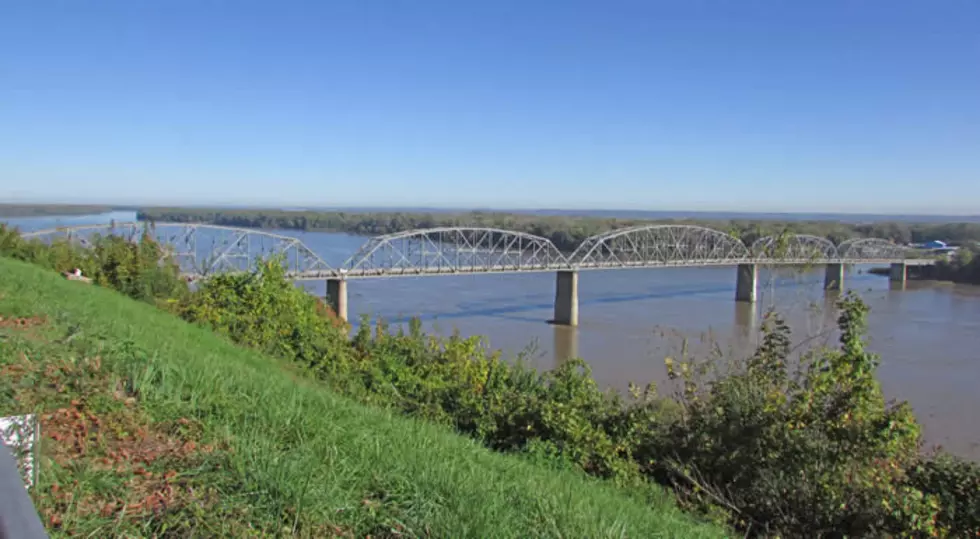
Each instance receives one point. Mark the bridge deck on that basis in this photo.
(476, 270)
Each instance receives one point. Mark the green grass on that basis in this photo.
(283, 455)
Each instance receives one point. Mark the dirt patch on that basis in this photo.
(93, 422)
(142, 458)
(118, 438)
(21, 322)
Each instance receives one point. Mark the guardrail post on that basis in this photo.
(18, 516)
(21, 434)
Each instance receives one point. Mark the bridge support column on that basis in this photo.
(834, 277)
(337, 297)
(898, 272)
(566, 298)
(747, 283)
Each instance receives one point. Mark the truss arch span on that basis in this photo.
(872, 249)
(660, 245)
(454, 250)
(794, 248)
(201, 249)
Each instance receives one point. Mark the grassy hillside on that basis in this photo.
(153, 426)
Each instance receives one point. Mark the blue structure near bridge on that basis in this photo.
(204, 250)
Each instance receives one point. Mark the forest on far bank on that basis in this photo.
(42, 210)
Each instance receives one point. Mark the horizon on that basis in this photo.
(766, 108)
(621, 213)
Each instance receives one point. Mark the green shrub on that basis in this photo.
(263, 310)
(508, 406)
(963, 267)
(808, 450)
(956, 483)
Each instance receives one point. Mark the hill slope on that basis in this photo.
(153, 426)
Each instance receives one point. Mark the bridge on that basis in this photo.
(203, 250)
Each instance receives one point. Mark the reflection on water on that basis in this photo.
(565, 343)
(630, 320)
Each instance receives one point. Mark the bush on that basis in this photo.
(963, 267)
(801, 451)
(263, 310)
(506, 405)
(957, 485)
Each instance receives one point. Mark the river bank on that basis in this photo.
(912, 273)
(953, 271)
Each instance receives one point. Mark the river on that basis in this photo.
(630, 320)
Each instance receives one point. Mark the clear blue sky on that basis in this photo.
(756, 105)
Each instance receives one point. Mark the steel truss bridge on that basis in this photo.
(203, 250)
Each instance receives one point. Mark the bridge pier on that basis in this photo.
(898, 272)
(566, 298)
(834, 277)
(337, 297)
(747, 283)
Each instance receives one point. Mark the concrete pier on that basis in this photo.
(566, 298)
(747, 283)
(337, 297)
(898, 273)
(834, 277)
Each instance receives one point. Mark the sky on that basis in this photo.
(866, 106)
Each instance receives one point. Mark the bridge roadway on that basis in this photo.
(476, 250)
(467, 270)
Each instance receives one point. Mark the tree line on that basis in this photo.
(41, 210)
(566, 232)
(964, 267)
